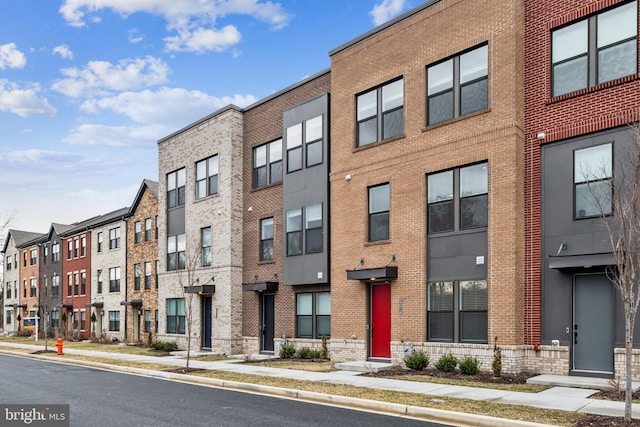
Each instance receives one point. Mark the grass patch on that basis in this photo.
(208, 358)
(526, 388)
(324, 366)
(107, 347)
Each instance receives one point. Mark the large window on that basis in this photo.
(114, 321)
(380, 113)
(594, 50)
(205, 237)
(457, 311)
(304, 141)
(176, 316)
(294, 232)
(175, 188)
(379, 212)
(458, 199)
(458, 85)
(267, 164)
(313, 315)
(592, 184)
(313, 141)
(176, 246)
(207, 177)
(114, 238)
(114, 279)
(266, 239)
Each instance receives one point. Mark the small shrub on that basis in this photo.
(308, 353)
(496, 365)
(417, 361)
(287, 351)
(324, 353)
(150, 339)
(470, 366)
(447, 363)
(164, 345)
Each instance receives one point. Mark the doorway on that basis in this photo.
(593, 324)
(206, 322)
(267, 322)
(380, 325)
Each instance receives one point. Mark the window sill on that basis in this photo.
(210, 196)
(378, 242)
(378, 143)
(458, 232)
(266, 261)
(456, 119)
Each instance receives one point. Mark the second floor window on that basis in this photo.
(83, 283)
(313, 229)
(55, 252)
(99, 281)
(595, 50)
(148, 230)
(34, 287)
(114, 279)
(380, 113)
(114, 238)
(266, 239)
(592, 186)
(267, 164)
(137, 237)
(55, 286)
(205, 237)
(379, 201)
(294, 232)
(147, 275)
(176, 246)
(34, 256)
(100, 239)
(207, 177)
(137, 273)
(175, 188)
(458, 85)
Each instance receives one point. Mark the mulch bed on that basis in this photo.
(484, 377)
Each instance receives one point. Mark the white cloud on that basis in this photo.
(23, 101)
(193, 20)
(36, 156)
(10, 57)
(102, 77)
(64, 51)
(135, 36)
(116, 136)
(386, 10)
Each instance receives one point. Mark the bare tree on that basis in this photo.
(189, 260)
(617, 200)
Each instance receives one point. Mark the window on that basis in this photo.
(9, 263)
(83, 320)
(313, 315)
(45, 254)
(147, 320)
(457, 311)
(380, 113)
(595, 50)
(76, 283)
(55, 252)
(83, 283)
(55, 319)
(266, 239)
(114, 238)
(147, 275)
(33, 287)
(267, 164)
(205, 237)
(148, 229)
(457, 199)
(175, 188)
(137, 272)
(99, 280)
(9, 290)
(55, 286)
(24, 288)
(592, 184)
(75, 319)
(9, 316)
(157, 269)
(114, 279)
(294, 232)
(83, 246)
(458, 85)
(176, 246)
(313, 228)
(69, 284)
(137, 237)
(379, 212)
(76, 247)
(69, 248)
(33, 256)
(114, 321)
(175, 316)
(100, 240)
(207, 177)
(313, 141)
(156, 323)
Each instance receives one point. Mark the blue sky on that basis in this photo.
(87, 87)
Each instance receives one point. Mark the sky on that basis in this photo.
(88, 87)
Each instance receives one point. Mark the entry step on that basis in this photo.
(577, 382)
(364, 366)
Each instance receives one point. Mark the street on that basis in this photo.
(100, 398)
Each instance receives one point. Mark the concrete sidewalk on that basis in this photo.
(558, 398)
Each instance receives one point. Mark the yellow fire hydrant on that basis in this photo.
(59, 345)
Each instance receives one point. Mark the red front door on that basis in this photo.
(381, 320)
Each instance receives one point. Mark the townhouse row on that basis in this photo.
(426, 191)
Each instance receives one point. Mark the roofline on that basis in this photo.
(204, 119)
(382, 27)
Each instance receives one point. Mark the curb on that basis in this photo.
(427, 414)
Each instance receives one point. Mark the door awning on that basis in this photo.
(260, 286)
(373, 274)
(97, 304)
(581, 261)
(133, 302)
(200, 289)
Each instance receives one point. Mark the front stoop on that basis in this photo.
(363, 366)
(577, 382)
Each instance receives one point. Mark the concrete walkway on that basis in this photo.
(562, 398)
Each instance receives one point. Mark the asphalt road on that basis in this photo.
(100, 398)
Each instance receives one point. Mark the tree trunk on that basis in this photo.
(628, 358)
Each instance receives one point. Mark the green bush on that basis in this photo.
(417, 361)
(447, 363)
(469, 366)
(308, 353)
(496, 365)
(325, 348)
(164, 345)
(287, 351)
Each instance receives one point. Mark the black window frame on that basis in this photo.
(314, 317)
(294, 233)
(266, 239)
(137, 272)
(137, 236)
(378, 118)
(206, 239)
(148, 229)
(176, 259)
(209, 179)
(589, 181)
(114, 320)
(114, 282)
(148, 272)
(178, 326)
(271, 171)
(99, 281)
(313, 233)
(176, 195)
(374, 215)
(114, 238)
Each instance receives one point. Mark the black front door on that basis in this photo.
(268, 322)
(206, 322)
